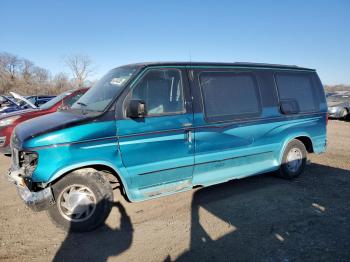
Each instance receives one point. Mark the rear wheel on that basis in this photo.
(343, 113)
(83, 201)
(293, 160)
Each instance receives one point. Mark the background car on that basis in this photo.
(15, 102)
(10, 104)
(9, 121)
(39, 100)
(339, 105)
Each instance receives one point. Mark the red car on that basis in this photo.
(9, 121)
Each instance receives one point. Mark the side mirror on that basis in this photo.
(136, 109)
(289, 107)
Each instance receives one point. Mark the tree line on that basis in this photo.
(335, 88)
(24, 77)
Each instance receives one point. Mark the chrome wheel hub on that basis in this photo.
(294, 159)
(76, 203)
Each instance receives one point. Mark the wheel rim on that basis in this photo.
(294, 159)
(76, 203)
(343, 113)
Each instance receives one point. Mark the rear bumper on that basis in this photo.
(333, 115)
(37, 201)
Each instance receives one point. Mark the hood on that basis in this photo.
(47, 123)
(19, 97)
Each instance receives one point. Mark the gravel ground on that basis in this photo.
(261, 218)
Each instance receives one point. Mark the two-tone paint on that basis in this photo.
(162, 155)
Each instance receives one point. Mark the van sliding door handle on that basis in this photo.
(189, 136)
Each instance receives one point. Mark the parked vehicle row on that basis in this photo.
(39, 99)
(163, 128)
(16, 102)
(339, 105)
(10, 120)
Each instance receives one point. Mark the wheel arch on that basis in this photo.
(306, 140)
(303, 137)
(98, 166)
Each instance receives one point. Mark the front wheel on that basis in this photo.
(83, 201)
(293, 160)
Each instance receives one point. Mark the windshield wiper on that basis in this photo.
(82, 104)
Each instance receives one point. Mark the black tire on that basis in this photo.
(95, 189)
(285, 171)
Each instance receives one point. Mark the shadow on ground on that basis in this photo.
(99, 244)
(260, 218)
(269, 219)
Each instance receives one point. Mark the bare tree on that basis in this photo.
(23, 76)
(27, 70)
(81, 67)
(10, 64)
(61, 83)
(9, 67)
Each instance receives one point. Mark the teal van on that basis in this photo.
(162, 128)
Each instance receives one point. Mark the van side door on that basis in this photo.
(230, 142)
(158, 149)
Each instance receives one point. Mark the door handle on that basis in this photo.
(187, 124)
(189, 136)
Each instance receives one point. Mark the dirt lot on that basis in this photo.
(260, 218)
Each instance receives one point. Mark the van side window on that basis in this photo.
(297, 87)
(229, 95)
(162, 92)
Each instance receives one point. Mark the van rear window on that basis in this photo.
(297, 87)
(229, 95)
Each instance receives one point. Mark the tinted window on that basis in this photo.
(229, 95)
(55, 100)
(161, 90)
(69, 101)
(297, 87)
(98, 97)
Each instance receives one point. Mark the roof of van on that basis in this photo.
(235, 64)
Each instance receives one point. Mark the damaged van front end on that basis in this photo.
(23, 164)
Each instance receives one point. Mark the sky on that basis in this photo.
(309, 33)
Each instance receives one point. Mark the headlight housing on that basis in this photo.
(8, 121)
(29, 161)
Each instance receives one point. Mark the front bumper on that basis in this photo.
(37, 201)
(333, 116)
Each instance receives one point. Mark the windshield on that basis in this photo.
(55, 100)
(105, 90)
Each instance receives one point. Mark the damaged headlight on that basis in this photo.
(28, 161)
